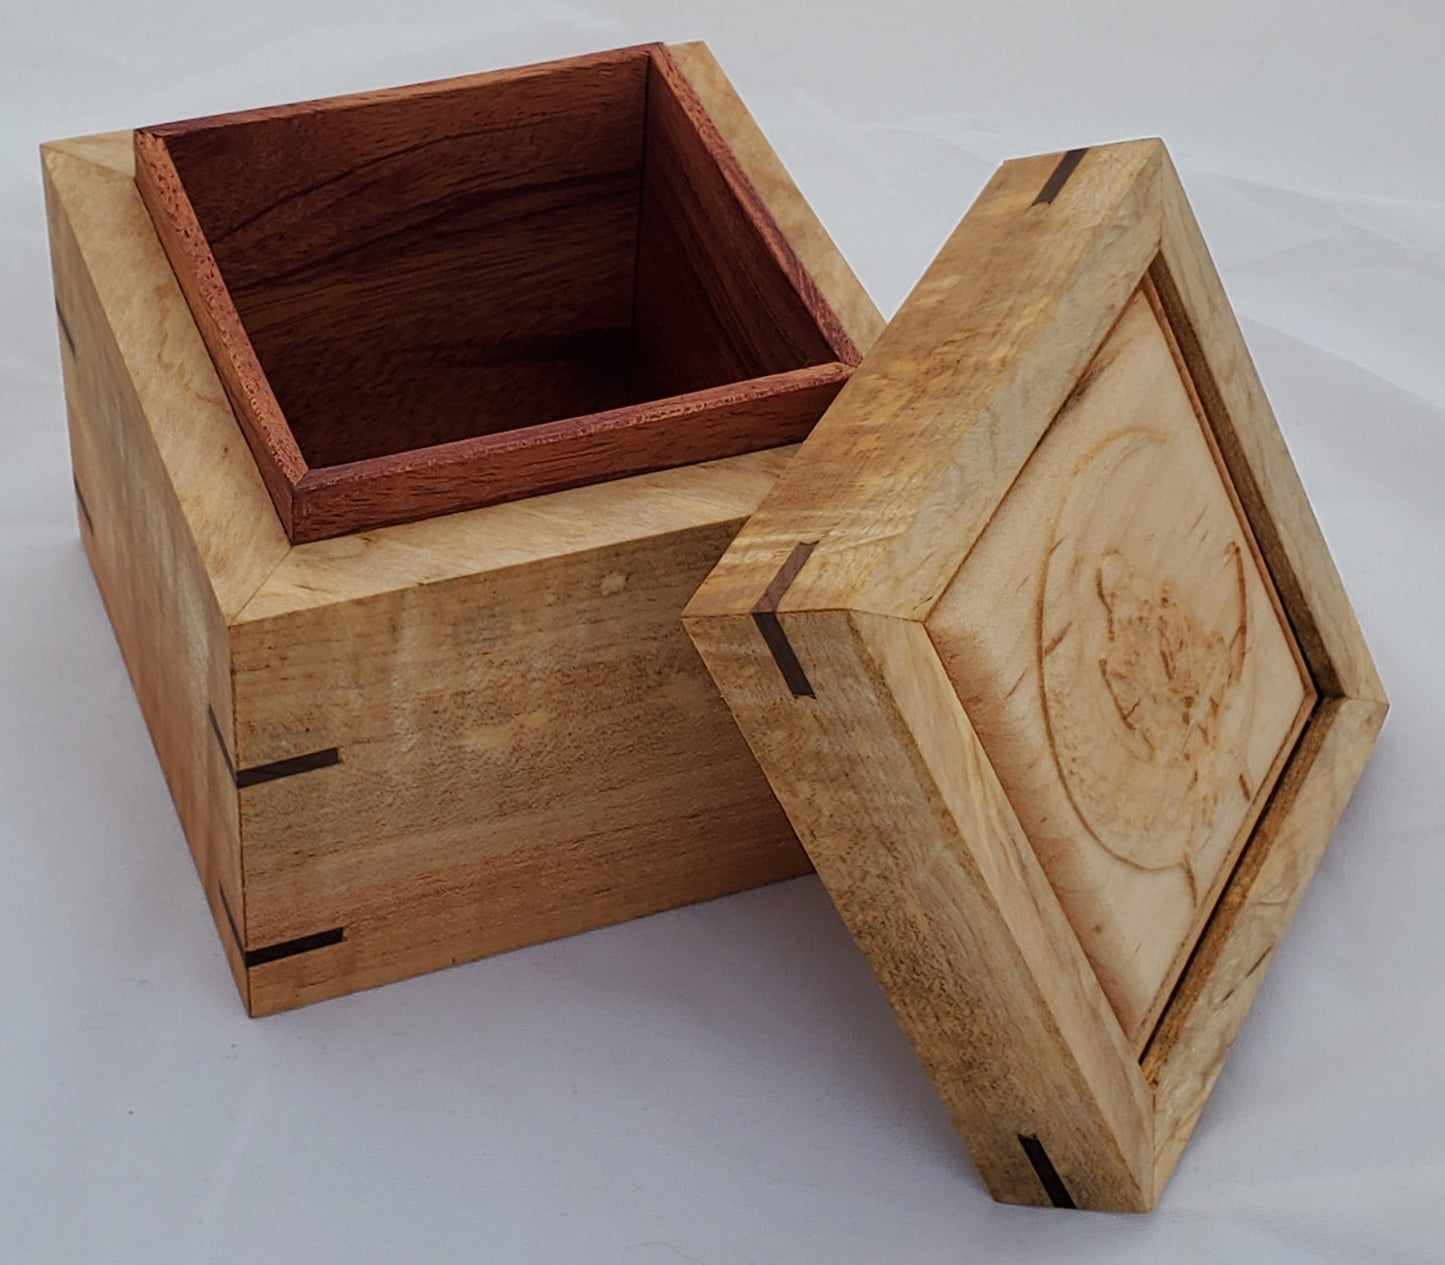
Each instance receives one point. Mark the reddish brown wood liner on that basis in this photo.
(444, 296)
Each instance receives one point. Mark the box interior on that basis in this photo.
(426, 268)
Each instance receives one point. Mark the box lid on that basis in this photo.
(1040, 646)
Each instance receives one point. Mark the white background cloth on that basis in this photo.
(725, 1083)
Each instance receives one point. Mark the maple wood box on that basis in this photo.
(403, 427)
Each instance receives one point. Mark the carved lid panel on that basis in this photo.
(1125, 663)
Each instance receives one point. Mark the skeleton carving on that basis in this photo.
(1167, 675)
(1124, 651)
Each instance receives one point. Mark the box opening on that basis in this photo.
(428, 266)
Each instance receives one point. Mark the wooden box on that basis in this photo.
(512, 357)
(1042, 650)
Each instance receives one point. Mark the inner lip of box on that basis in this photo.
(567, 249)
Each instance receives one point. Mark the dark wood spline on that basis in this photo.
(281, 949)
(274, 769)
(84, 508)
(765, 616)
(221, 742)
(292, 948)
(277, 769)
(1066, 167)
(65, 329)
(1047, 1174)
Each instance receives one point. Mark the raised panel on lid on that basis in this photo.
(1126, 665)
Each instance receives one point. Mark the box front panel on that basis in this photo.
(490, 761)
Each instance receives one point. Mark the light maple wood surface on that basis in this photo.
(971, 945)
(174, 519)
(430, 741)
(1251, 918)
(1043, 653)
(1255, 453)
(1121, 654)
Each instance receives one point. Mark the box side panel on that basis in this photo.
(160, 599)
(463, 767)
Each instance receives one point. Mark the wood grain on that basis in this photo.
(1233, 957)
(419, 270)
(420, 554)
(534, 748)
(238, 539)
(1119, 651)
(1222, 979)
(278, 456)
(1062, 613)
(969, 944)
(409, 292)
(1258, 460)
(720, 296)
